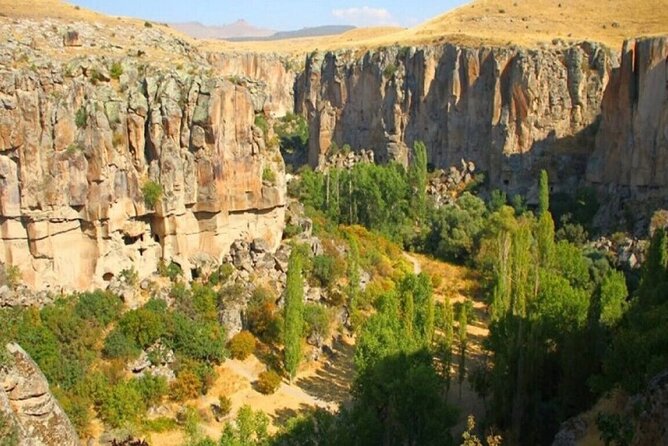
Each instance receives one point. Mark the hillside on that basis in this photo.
(498, 22)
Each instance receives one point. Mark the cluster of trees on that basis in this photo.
(398, 393)
(553, 308)
(64, 339)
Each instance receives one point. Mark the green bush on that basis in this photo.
(122, 406)
(81, 118)
(317, 320)
(224, 405)
(152, 192)
(268, 382)
(148, 24)
(221, 274)
(118, 345)
(151, 388)
(101, 306)
(324, 270)
(242, 345)
(390, 71)
(172, 270)
(10, 275)
(116, 70)
(262, 124)
(268, 175)
(159, 425)
(199, 340)
(142, 326)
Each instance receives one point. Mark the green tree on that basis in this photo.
(417, 175)
(293, 314)
(543, 193)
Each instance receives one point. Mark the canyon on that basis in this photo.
(78, 146)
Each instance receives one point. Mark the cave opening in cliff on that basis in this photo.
(130, 240)
(107, 277)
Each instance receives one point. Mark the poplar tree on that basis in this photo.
(293, 314)
(417, 175)
(545, 225)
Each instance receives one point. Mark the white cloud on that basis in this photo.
(365, 16)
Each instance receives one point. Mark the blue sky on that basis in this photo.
(278, 14)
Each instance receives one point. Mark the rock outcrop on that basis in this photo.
(111, 163)
(270, 78)
(27, 403)
(511, 111)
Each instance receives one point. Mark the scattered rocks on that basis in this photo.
(347, 159)
(444, 184)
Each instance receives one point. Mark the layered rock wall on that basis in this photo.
(511, 111)
(632, 144)
(77, 149)
(271, 78)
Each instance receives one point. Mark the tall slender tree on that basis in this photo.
(293, 313)
(417, 175)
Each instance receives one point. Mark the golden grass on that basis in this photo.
(482, 22)
(525, 23)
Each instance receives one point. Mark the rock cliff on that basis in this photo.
(509, 110)
(28, 406)
(631, 156)
(83, 141)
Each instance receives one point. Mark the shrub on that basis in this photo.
(129, 276)
(148, 24)
(268, 175)
(10, 275)
(262, 124)
(172, 270)
(186, 386)
(221, 275)
(268, 382)
(118, 345)
(199, 340)
(121, 406)
(224, 405)
(81, 118)
(101, 306)
(390, 71)
(142, 326)
(116, 70)
(316, 320)
(152, 192)
(323, 269)
(159, 425)
(261, 315)
(151, 388)
(242, 345)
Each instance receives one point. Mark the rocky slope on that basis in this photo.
(511, 111)
(29, 407)
(82, 138)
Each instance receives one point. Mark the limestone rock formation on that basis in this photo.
(271, 78)
(82, 142)
(25, 400)
(511, 111)
(632, 144)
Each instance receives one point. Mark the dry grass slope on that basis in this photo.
(482, 22)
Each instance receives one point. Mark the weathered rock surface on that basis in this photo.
(270, 78)
(511, 111)
(76, 151)
(26, 401)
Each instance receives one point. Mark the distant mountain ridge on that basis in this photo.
(238, 29)
(316, 31)
(241, 30)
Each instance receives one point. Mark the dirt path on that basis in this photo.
(458, 284)
(417, 268)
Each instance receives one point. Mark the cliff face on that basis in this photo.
(77, 148)
(509, 110)
(28, 405)
(632, 145)
(271, 78)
